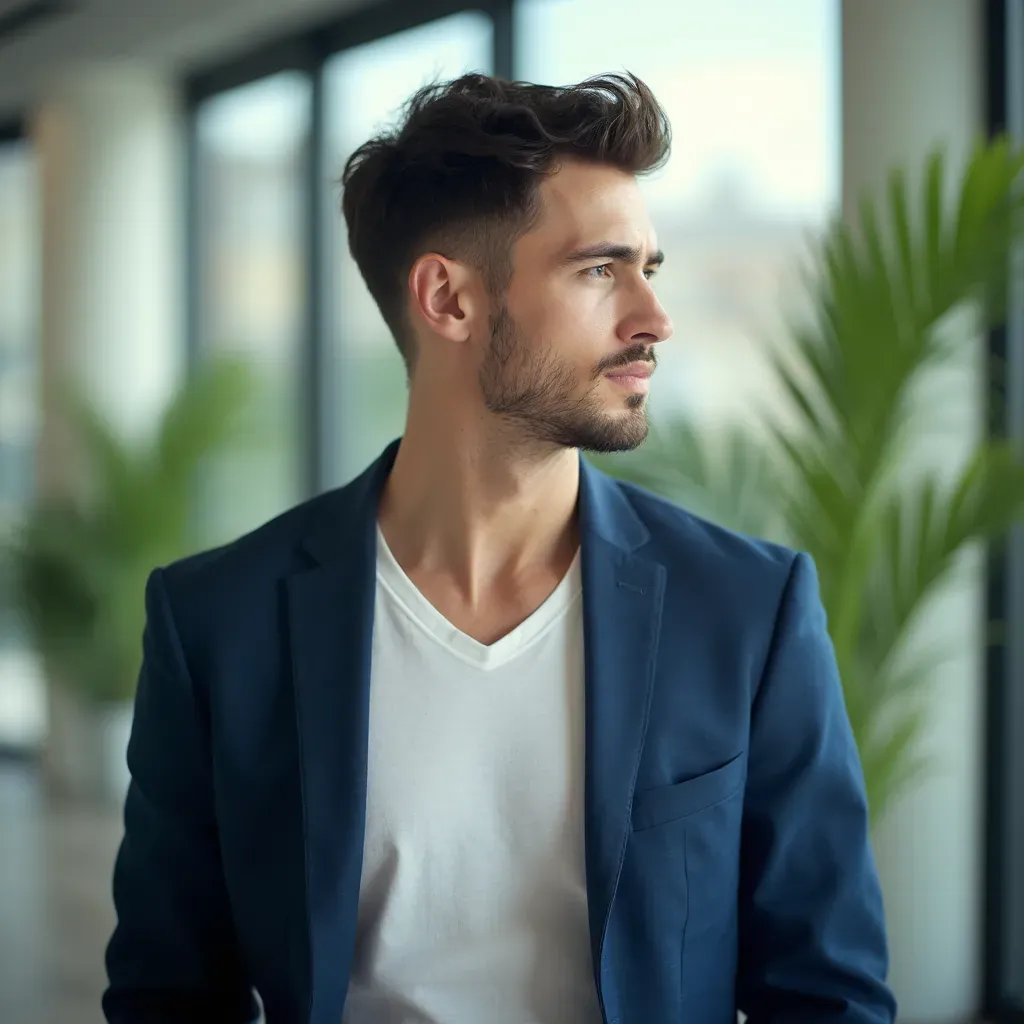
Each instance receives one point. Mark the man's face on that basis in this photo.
(572, 346)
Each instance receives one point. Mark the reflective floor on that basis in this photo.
(55, 906)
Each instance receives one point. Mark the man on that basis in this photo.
(485, 737)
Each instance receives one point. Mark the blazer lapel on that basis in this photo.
(331, 623)
(622, 601)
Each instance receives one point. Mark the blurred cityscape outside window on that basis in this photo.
(365, 89)
(22, 705)
(252, 154)
(752, 91)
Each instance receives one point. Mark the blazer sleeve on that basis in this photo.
(173, 956)
(812, 932)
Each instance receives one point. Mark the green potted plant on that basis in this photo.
(80, 562)
(831, 469)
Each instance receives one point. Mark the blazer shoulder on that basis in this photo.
(682, 539)
(257, 558)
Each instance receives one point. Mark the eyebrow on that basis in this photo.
(613, 251)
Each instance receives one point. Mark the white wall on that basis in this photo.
(912, 77)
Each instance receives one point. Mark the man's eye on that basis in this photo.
(605, 270)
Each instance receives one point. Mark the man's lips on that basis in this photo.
(643, 370)
(634, 377)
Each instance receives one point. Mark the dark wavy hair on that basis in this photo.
(459, 174)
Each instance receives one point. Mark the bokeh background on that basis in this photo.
(168, 197)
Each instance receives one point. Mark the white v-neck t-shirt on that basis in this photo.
(473, 904)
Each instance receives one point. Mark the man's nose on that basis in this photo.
(652, 324)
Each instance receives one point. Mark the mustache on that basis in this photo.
(633, 354)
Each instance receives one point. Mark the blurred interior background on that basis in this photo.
(171, 253)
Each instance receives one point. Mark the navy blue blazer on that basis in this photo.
(727, 856)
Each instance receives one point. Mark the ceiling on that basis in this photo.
(176, 34)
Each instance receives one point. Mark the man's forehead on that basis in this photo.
(584, 205)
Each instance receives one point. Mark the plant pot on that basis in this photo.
(86, 747)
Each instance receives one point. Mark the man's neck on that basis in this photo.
(478, 514)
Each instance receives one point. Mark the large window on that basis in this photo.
(22, 716)
(752, 91)
(365, 88)
(252, 145)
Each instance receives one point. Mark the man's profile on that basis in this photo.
(485, 736)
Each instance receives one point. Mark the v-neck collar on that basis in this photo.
(396, 582)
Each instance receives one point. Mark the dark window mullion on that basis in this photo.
(1013, 762)
(1004, 860)
(502, 14)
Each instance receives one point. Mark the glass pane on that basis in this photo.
(365, 87)
(253, 143)
(22, 703)
(752, 91)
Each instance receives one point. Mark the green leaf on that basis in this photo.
(906, 251)
(934, 248)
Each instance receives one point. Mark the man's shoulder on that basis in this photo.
(258, 558)
(715, 557)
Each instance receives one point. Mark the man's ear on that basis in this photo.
(446, 296)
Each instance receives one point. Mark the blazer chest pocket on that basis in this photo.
(659, 806)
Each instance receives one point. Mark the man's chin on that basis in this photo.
(599, 430)
(614, 437)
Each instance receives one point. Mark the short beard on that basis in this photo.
(535, 393)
